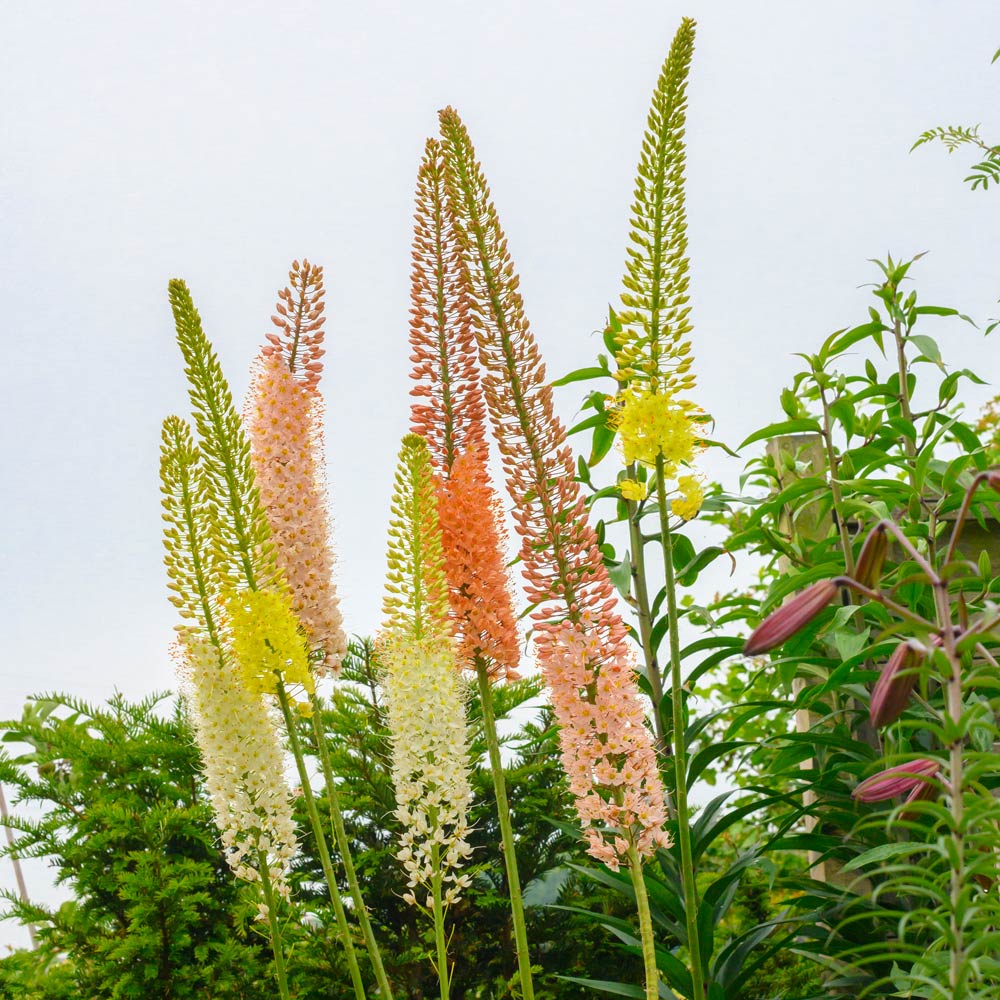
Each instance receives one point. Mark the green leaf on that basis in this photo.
(601, 444)
(803, 425)
(605, 985)
(928, 348)
(620, 575)
(883, 852)
(940, 311)
(582, 375)
(851, 337)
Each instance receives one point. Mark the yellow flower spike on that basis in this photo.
(416, 599)
(632, 490)
(266, 641)
(692, 496)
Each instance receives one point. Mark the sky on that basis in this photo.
(218, 142)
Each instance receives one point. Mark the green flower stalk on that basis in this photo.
(430, 756)
(656, 424)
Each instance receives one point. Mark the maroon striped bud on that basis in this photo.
(790, 617)
(871, 558)
(895, 684)
(910, 779)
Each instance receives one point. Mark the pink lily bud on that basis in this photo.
(904, 779)
(790, 617)
(895, 685)
(993, 478)
(871, 558)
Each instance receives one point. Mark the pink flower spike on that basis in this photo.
(903, 779)
(790, 618)
(895, 685)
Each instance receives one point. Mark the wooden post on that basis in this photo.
(792, 453)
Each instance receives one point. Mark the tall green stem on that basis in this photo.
(344, 846)
(273, 926)
(956, 794)
(638, 569)
(506, 832)
(441, 942)
(680, 749)
(324, 854)
(645, 924)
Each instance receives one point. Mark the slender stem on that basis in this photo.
(273, 926)
(321, 848)
(680, 749)
(956, 792)
(909, 445)
(956, 532)
(22, 889)
(506, 832)
(344, 846)
(645, 924)
(838, 500)
(645, 617)
(886, 602)
(441, 942)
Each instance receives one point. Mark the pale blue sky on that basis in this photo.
(216, 142)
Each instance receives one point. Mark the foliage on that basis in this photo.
(952, 137)
(860, 445)
(125, 825)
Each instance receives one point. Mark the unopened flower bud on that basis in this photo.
(910, 779)
(895, 685)
(871, 558)
(790, 617)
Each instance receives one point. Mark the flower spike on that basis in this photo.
(448, 411)
(580, 639)
(283, 415)
(430, 767)
(299, 316)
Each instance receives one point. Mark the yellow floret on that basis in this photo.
(692, 496)
(632, 490)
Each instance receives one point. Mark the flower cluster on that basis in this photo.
(605, 745)
(283, 417)
(266, 642)
(652, 424)
(242, 761)
(479, 586)
(430, 766)
(690, 497)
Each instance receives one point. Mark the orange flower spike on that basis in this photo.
(449, 413)
(607, 748)
(479, 587)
